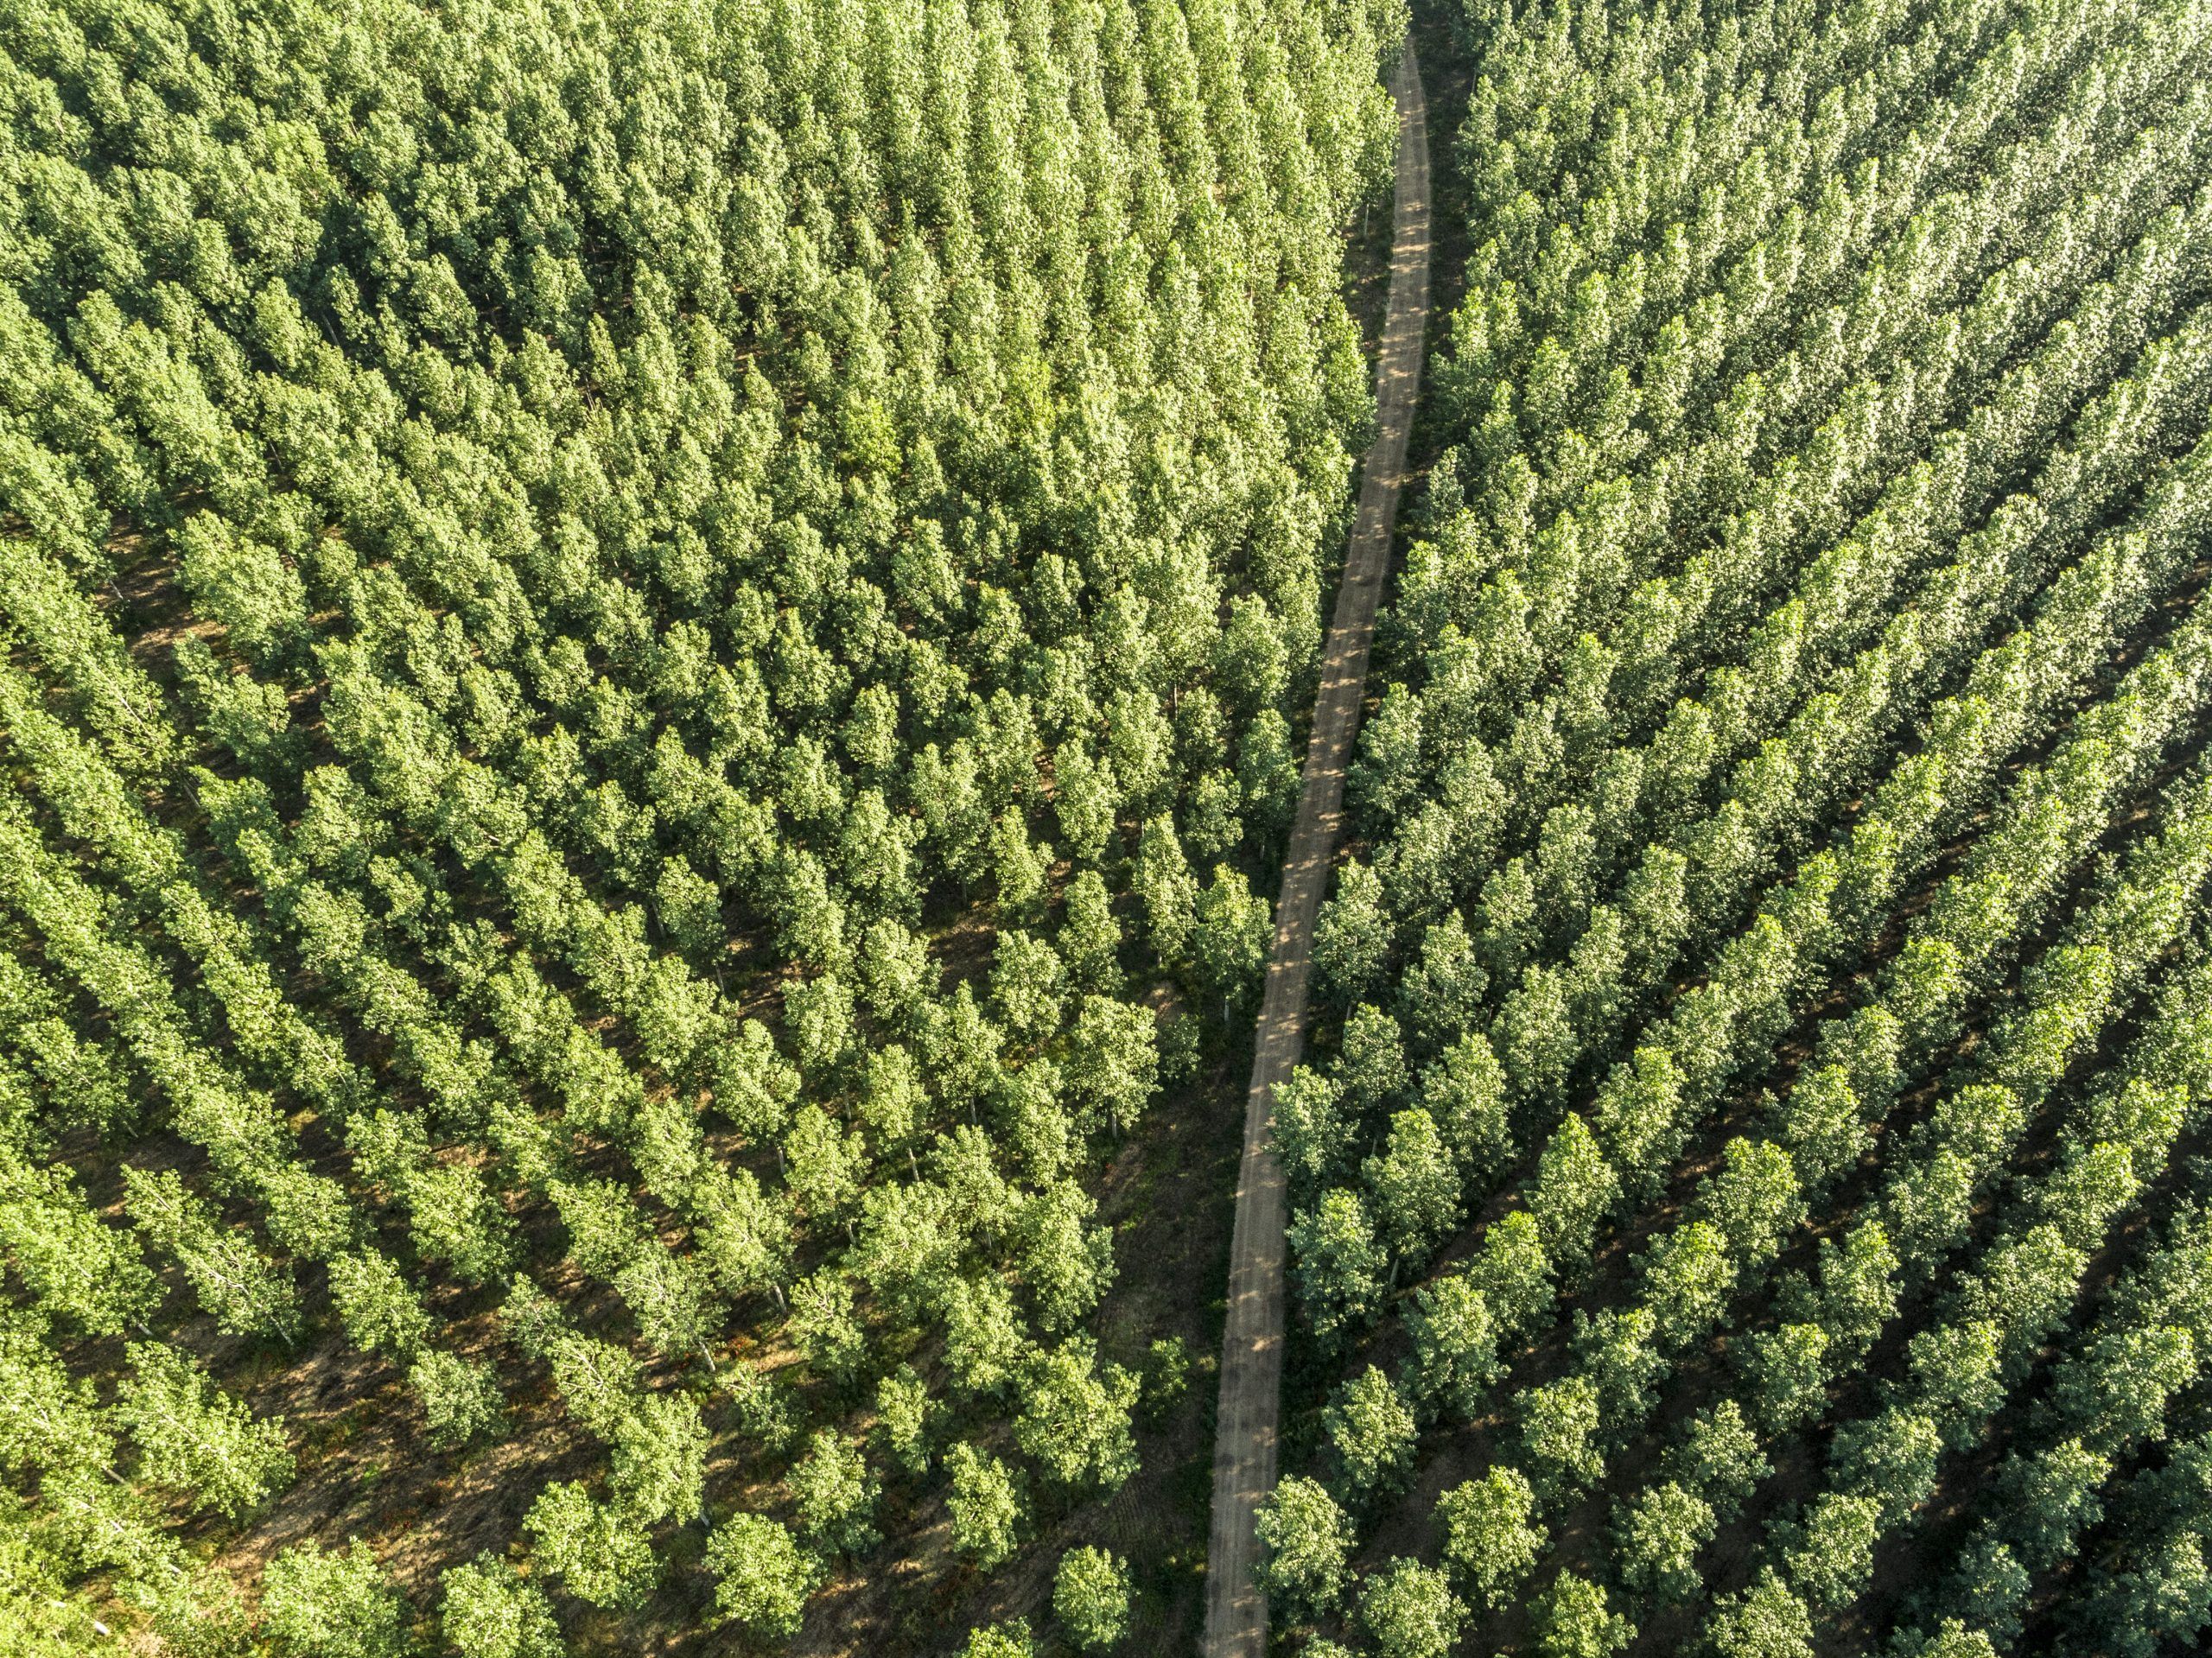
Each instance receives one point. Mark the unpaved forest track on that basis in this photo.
(1251, 1358)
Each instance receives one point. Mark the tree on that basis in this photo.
(1018, 866)
(743, 1240)
(1308, 1543)
(762, 1577)
(1574, 1190)
(752, 1085)
(1352, 938)
(1074, 1422)
(1167, 1375)
(1168, 892)
(1267, 775)
(1091, 1596)
(1337, 1263)
(1492, 1539)
(1638, 1112)
(902, 1416)
(240, 1289)
(1955, 1369)
(1250, 664)
(1090, 938)
(1616, 1350)
(461, 1398)
(820, 1015)
(1950, 1639)
(1558, 1425)
(489, 1612)
(1821, 1122)
(986, 1507)
(532, 1318)
(1534, 1036)
(658, 1466)
(196, 1439)
(1659, 1534)
(592, 1548)
(603, 1225)
(1373, 1431)
(835, 1495)
(315, 1605)
(1027, 985)
(1507, 912)
(1213, 822)
(1512, 1271)
(1414, 1186)
(1139, 741)
(1892, 1456)
(1234, 930)
(1411, 1611)
(822, 1163)
(1766, 1621)
(1455, 1346)
(1573, 1621)
(1788, 1374)
(689, 908)
(1371, 1064)
(1688, 1275)
(897, 975)
(1026, 1111)
(2047, 1500)
(1112, 1060)
(1085, 799)
(2130, 1374)
(1313, 1133)
(1007, 1639)
(75, 1266)
(811, 924)
(375, 1304)
(824, 1325)
(1464, 1093)
(1067, 1264)
(943, 787)
(672, 1301)
(49, 1421)
(1755, 1198)
(982, 1334)
(1718, 1458)
(244, 581)
(1832, 1563)
(762, 1405)
(875, 855)
(1440, 998)
(599, 1381)
(41, 1616)
(452, 1215)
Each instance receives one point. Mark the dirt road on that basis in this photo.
(1251, 1359)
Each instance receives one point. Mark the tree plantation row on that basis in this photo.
(651, 658)
(1747, 1192)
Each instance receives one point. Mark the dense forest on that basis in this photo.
(655, 665)
(650, 662)
(1748, 1185)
